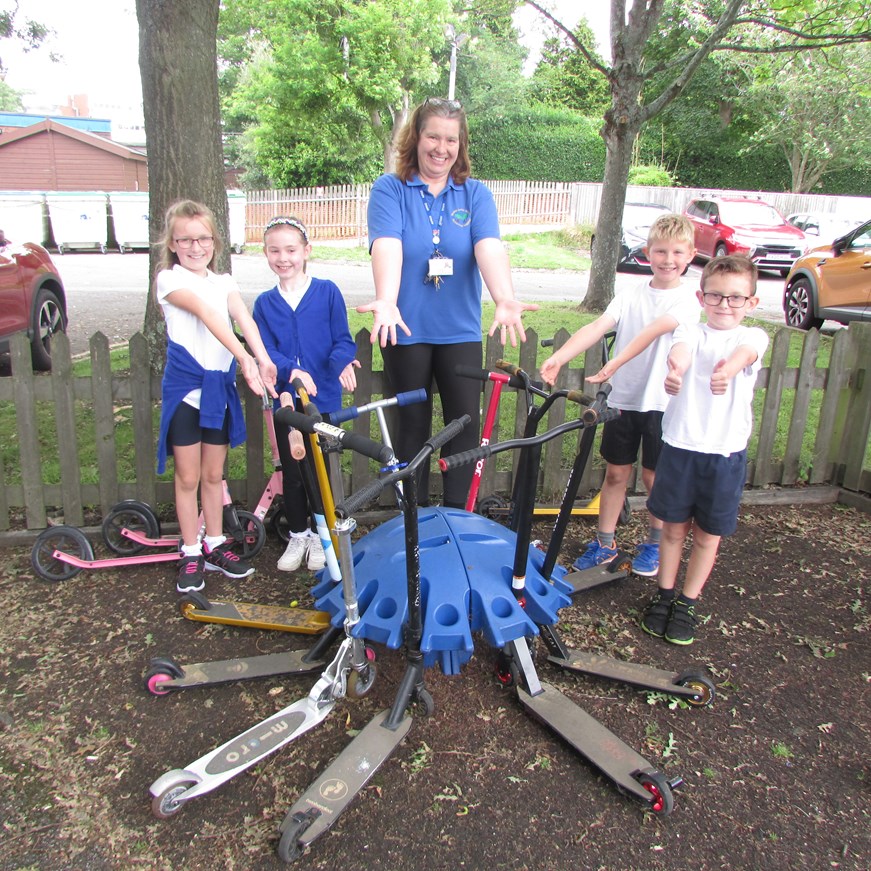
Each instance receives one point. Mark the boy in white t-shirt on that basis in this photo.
(712, 370)
(640, 398)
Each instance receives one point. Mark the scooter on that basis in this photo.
(165, 674)
(318, 808)
(351, 673)
(630, 771)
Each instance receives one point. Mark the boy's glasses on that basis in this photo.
(187, 241)
(735, 301)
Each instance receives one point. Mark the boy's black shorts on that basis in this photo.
(703, 487)
(622, 437)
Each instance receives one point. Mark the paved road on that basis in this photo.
(107, 292)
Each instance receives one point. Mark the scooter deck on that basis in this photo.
(589, 737)
(255, 616)
(633, 673)
(342, 780)
(586, 579)
(199, 674)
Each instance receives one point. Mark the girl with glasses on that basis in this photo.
(201, 413)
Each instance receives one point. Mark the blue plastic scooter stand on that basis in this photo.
(465, 567)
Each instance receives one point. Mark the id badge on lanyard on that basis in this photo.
(439, 266)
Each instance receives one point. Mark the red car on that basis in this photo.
(742, 225)
(32, 298)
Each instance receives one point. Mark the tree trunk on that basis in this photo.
(178, 66)
(619, 139)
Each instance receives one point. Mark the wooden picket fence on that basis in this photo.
(58, 416)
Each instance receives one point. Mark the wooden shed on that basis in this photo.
(52, 156)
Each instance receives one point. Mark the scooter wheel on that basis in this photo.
(166, 803)
(703, 686)
(132, 515)
(66, 539)
(507, 672)
(280, 526)
(193, 602)
(494, 507)
(253, 534)
(422, 704)
(153, 678)
(288, 846)
(661, 796)
(359, 683)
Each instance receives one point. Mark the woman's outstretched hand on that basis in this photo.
(387, 319)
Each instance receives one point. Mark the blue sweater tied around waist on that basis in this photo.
(219, 395)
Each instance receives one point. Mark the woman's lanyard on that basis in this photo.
(439, 265)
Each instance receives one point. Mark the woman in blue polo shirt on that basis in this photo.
(433, 234)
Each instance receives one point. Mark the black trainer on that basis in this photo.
(191, 574)
(681, 627)
(656, 614)
(222, 559)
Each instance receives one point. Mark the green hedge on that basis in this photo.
(537, 144)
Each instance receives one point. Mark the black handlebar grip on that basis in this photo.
(366, 446)
(454, 428)
(290, 417)
(484, 375)
(460, 459)
(362, 497)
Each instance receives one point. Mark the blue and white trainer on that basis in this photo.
(594, 555)
(646, 562)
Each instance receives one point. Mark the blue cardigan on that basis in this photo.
(315, 338)
(183, 374)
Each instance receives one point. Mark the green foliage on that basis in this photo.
(10, 99)
(28, 33)
(564, 77)
(655, 176)
(315, 87)
(538, 143)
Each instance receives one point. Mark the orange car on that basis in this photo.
(833, 281)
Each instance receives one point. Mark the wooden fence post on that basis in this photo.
(102, 396)
(855, 443)
(65, 427)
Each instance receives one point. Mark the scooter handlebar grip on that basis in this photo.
(454, 428)
(297, 444)
(580, 397)
(409, 397)
(308, 406)
(516, 379)
(362, 497)
(344, 414)
(460, 459)
(290, 417)
(484, 375)
(366, 446)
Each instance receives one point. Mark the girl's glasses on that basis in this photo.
(187, 241)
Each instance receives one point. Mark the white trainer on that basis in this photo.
(316, 557)
(294, 553)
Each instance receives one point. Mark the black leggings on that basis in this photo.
(410, 367)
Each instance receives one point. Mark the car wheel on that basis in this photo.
(48, 319)
(720, 250)
(798, 306)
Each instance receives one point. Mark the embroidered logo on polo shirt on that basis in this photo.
(461, 217)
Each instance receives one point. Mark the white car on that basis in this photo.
(822, 228)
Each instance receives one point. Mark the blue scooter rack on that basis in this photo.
(466, 569)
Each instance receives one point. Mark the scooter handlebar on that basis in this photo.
(484, 375)
(359, 443)
(454, 428)
(352, 411)
(353, 503)
(460, 459)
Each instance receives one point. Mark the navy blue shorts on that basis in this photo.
(185, 429)
(703, 487)
(622, 437)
